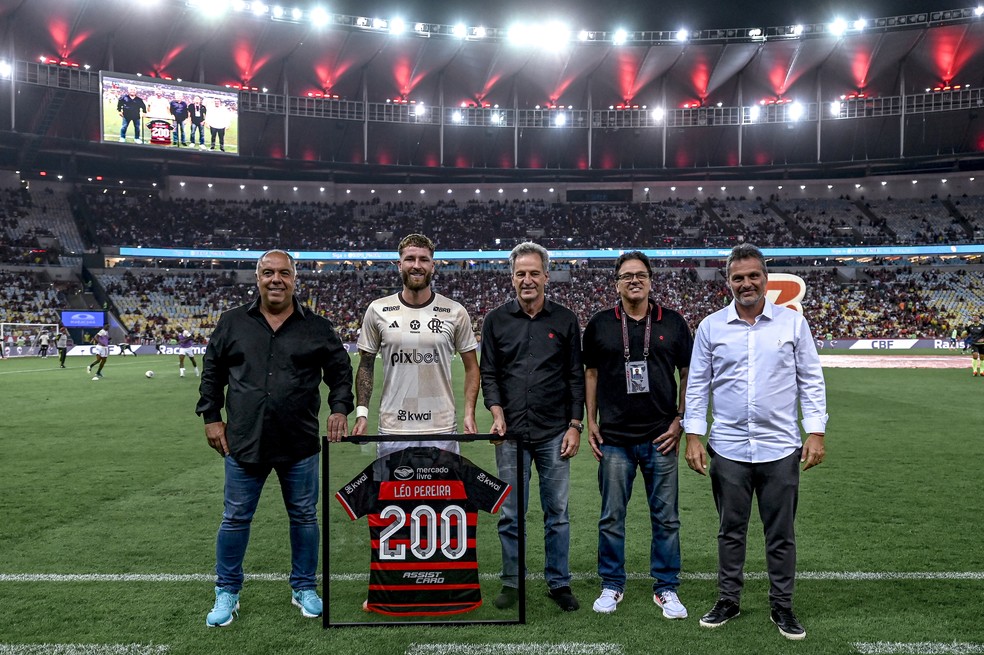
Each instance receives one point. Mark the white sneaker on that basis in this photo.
(608, 601)
(670, 602)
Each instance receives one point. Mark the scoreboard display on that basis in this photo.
(152, 112)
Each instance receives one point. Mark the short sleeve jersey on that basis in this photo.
(423, 504)
(416, 345)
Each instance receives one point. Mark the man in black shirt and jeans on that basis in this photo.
(632, 353)
(533, 384)
(272, 355)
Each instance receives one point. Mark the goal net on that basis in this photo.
(25, 339)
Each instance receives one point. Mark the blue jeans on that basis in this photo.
(555, 480)
(126, 125)
(179, 132)
(200, 128)
(616, 473)
(243, 485)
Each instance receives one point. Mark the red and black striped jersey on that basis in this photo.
(423, 512)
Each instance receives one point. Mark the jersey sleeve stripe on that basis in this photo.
(345, 506)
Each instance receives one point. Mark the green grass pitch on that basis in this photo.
(114, 477)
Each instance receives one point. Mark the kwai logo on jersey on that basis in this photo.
(786, 290)
(403, 473)
(414, 357)
(404, 415)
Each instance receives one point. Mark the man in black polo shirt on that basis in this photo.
(631, 353)
(533, 384)
(264, 364)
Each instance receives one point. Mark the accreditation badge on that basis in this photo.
(636, 377)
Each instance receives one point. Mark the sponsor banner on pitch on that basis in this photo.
(887, 344)
(88, 350)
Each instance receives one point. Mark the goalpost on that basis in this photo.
(21, 339)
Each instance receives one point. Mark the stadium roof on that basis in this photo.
(725, 95)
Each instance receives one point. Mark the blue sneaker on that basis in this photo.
(309, 602)
(225, 608)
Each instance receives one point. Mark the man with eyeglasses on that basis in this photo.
(632, 353)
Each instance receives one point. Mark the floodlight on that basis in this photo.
(754, 112)
(379, 23)
(479, 32)
(860, 24)
(838, 27)
(682, 35)
(296, 13)
(460, 30)
(560, 120)
(978, 11)
(797, 30)
(658, 114)
(835, 108)
(259, 8)
(319, 17)
(419, 110)
(278, 12)
(397, 26)
(5, 69)
(456, 117)
(796, 111)
(620, 37)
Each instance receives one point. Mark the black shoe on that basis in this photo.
(786, 621)
(723, 611)
(507, 598)
(564, 598)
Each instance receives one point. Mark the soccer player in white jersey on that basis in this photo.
(416, 332)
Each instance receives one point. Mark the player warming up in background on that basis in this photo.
(185, 349)
(975, 337)
(61, 343)
(101, 351)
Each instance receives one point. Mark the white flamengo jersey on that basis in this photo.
(416, 345)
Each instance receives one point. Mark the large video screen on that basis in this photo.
(155, 113)
(82, 319)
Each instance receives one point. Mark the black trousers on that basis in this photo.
(776, 485)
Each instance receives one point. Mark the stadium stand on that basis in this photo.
(890, 300)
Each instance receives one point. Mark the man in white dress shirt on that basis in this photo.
(754, 360)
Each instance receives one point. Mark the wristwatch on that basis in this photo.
(577, 426)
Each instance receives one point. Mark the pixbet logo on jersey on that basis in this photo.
(414, 357)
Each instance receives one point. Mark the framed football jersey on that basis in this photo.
(423, 506)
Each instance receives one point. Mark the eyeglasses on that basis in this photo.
(642, 276)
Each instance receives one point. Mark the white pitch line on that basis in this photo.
(846, 576)
(82, 649)
(917, 648)
(566, 648)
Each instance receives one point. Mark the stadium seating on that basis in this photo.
(875, 302)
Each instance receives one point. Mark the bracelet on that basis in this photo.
(361, 412)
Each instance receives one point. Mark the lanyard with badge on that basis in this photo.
(637, 373)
